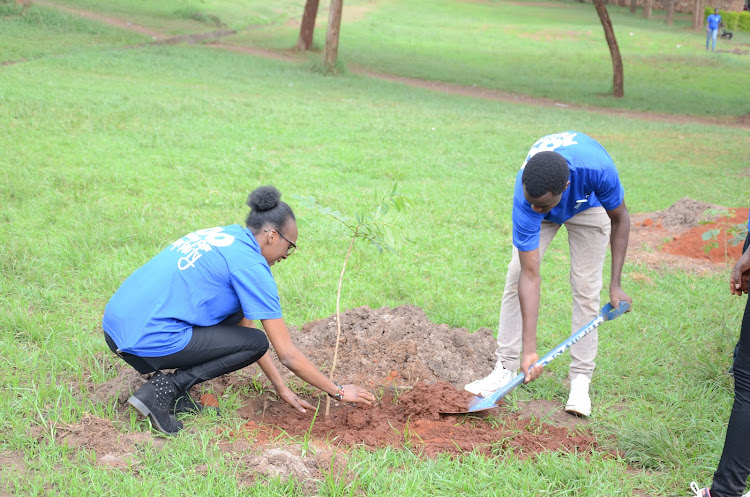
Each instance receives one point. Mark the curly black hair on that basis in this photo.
(545, 172)
(267, 209)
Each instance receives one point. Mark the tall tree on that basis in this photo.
(618, 79)
(698, 15)
(670, 12)
(307, 28)
(648, 7)
(633, 6)
(331, 51)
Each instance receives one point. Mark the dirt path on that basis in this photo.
(742, 122)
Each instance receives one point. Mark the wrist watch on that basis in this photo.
(339, 395)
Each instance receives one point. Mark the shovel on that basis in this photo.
(607, 313)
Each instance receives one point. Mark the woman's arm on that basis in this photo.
(292, 358)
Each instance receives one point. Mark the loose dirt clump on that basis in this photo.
(399, 420)
(112, 448)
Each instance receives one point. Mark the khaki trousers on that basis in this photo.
(588, 238)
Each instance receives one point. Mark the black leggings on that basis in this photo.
(211, 352)
(731, 475)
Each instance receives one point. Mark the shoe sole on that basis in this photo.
(579, 412)
(141, 407)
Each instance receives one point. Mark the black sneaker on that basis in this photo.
(154, 400)
(187, 404)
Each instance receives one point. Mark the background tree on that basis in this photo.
(648, 7)
(670, 12)
(307, 28)
(330, 53)
(698, 15)
(633, 6)
(618, 80)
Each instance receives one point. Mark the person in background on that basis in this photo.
(567, 179)
(730, 478)
(712, 29)
(191, 308)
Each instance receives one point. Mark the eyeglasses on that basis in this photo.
(292, 246)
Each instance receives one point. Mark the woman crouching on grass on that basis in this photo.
(191, 308)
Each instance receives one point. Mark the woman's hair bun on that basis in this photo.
(264, 198)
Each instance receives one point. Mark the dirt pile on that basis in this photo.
(686, 213)
(410, 419)
(397, 346)
(673, 237)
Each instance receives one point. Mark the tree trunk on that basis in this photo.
(670, 12)
(330, 53)
(647, 8)
(307, 28)
(633, 6)
(618, 83)
(698, 15)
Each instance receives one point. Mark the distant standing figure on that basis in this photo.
(712, 29)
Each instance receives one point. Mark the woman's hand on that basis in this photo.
(291, 398)
(352, 393)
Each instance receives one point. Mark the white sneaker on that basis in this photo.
(704, 492)
(579, 401)
(493, 382)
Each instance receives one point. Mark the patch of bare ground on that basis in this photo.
(672, 238)
(111, 447)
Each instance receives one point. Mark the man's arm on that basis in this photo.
(618, 240)
(529, 291)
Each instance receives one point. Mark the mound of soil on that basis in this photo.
(398, 346)
(673, 237)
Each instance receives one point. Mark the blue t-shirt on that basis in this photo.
(713, 21)
(199, 280)
(594, 182)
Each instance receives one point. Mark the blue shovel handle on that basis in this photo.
(607, 313)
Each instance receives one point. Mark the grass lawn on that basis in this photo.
(108, 155)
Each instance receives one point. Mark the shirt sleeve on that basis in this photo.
(609, 190)
(527, 225)
(257, 292)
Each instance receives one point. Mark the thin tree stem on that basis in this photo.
(338, 316)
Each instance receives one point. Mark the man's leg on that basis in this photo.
(509, 334)
(731, 475)
(714, 32)
(588, 238)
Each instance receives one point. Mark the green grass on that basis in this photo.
(41, 31)
(556, 51)
(108, 155)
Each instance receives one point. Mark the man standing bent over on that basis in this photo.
(568, 178)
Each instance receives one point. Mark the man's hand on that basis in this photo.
(291, 398)
(616, 294)
(352, 393)
(738, 281)
(527, 360)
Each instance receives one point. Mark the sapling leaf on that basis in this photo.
(374, 223)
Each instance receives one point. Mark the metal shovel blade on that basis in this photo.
(607, 313)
